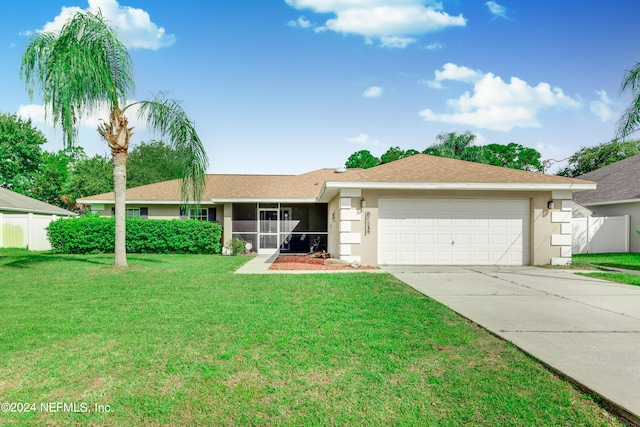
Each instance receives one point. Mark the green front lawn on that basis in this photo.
(628, 261)
(179, 340)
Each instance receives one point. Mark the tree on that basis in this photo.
(20, 154)
(53, 173)
(88, 176)
(151, 162)
(588, 159)
(451, 144)
(85, 66)
(392, 154)
(362, 159)
(630, 120)
(514, 156)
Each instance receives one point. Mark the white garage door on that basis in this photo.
(453, 231)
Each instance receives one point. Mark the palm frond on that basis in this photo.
(168, 118)
(629, 122)
(82, 68)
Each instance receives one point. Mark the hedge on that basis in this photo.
(92, 234)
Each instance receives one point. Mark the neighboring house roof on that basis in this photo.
(10, 201)
(420, 171)
(617, 183)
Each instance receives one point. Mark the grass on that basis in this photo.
(628, 261)
(180, 340)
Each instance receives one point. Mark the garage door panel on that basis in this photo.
(483, 231)
(425, 239)
(407, 239)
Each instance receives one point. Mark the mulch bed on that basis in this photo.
(305, 262)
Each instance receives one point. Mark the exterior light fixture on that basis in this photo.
(363, 203)
(550, 204)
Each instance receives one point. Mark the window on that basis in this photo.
(133, 212)
(204, 214)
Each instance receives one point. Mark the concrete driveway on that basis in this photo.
(587, 329)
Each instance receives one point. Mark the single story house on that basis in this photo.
(23, 221)
(419, 210)
(618, 194)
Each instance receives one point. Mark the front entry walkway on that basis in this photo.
(586, 329)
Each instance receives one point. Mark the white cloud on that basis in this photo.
(301, 22)
(373, 92)
(433, 46)
(36, 113)
(497, 10)
(363, 139)
(134, 26)
(496, 104)
(396, 42)
(389, 21)
(453, 72)
(602, 108)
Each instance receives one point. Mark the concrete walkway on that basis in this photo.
(586, 329)
(260, 265)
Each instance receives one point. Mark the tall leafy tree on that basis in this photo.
(85, 66)
(514, 156)
(54, 171)
(392, 154)
(451, 144)
(151, 162)
(630, 120)
(588, 159)
(362, 159)
(20, 154)
(88, 176)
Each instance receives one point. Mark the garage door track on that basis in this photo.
(587, 329)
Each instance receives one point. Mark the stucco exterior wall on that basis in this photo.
(333, 227)
(541, 228)
(160, 211)
(631, 209)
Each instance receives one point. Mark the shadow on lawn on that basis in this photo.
(25, 259)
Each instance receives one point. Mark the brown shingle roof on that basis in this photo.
(420, 168)
(425, 168)
(226, 186)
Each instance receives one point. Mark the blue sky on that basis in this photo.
(289, 86)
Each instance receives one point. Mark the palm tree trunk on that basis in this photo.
(120, 186)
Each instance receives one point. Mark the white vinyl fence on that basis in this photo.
(25, 231)
(594, 235)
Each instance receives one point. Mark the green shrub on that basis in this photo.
(91, 234)
(235, 246)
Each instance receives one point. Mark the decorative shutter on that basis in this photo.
(144, 213)
(182, 215)
(212, 214)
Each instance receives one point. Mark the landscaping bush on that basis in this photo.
(92, 234)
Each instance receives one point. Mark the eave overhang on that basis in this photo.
(332, 188)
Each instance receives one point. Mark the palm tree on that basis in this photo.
(630, 120)
(451, 144)
(85, 67)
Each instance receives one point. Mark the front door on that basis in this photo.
(268, 231)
